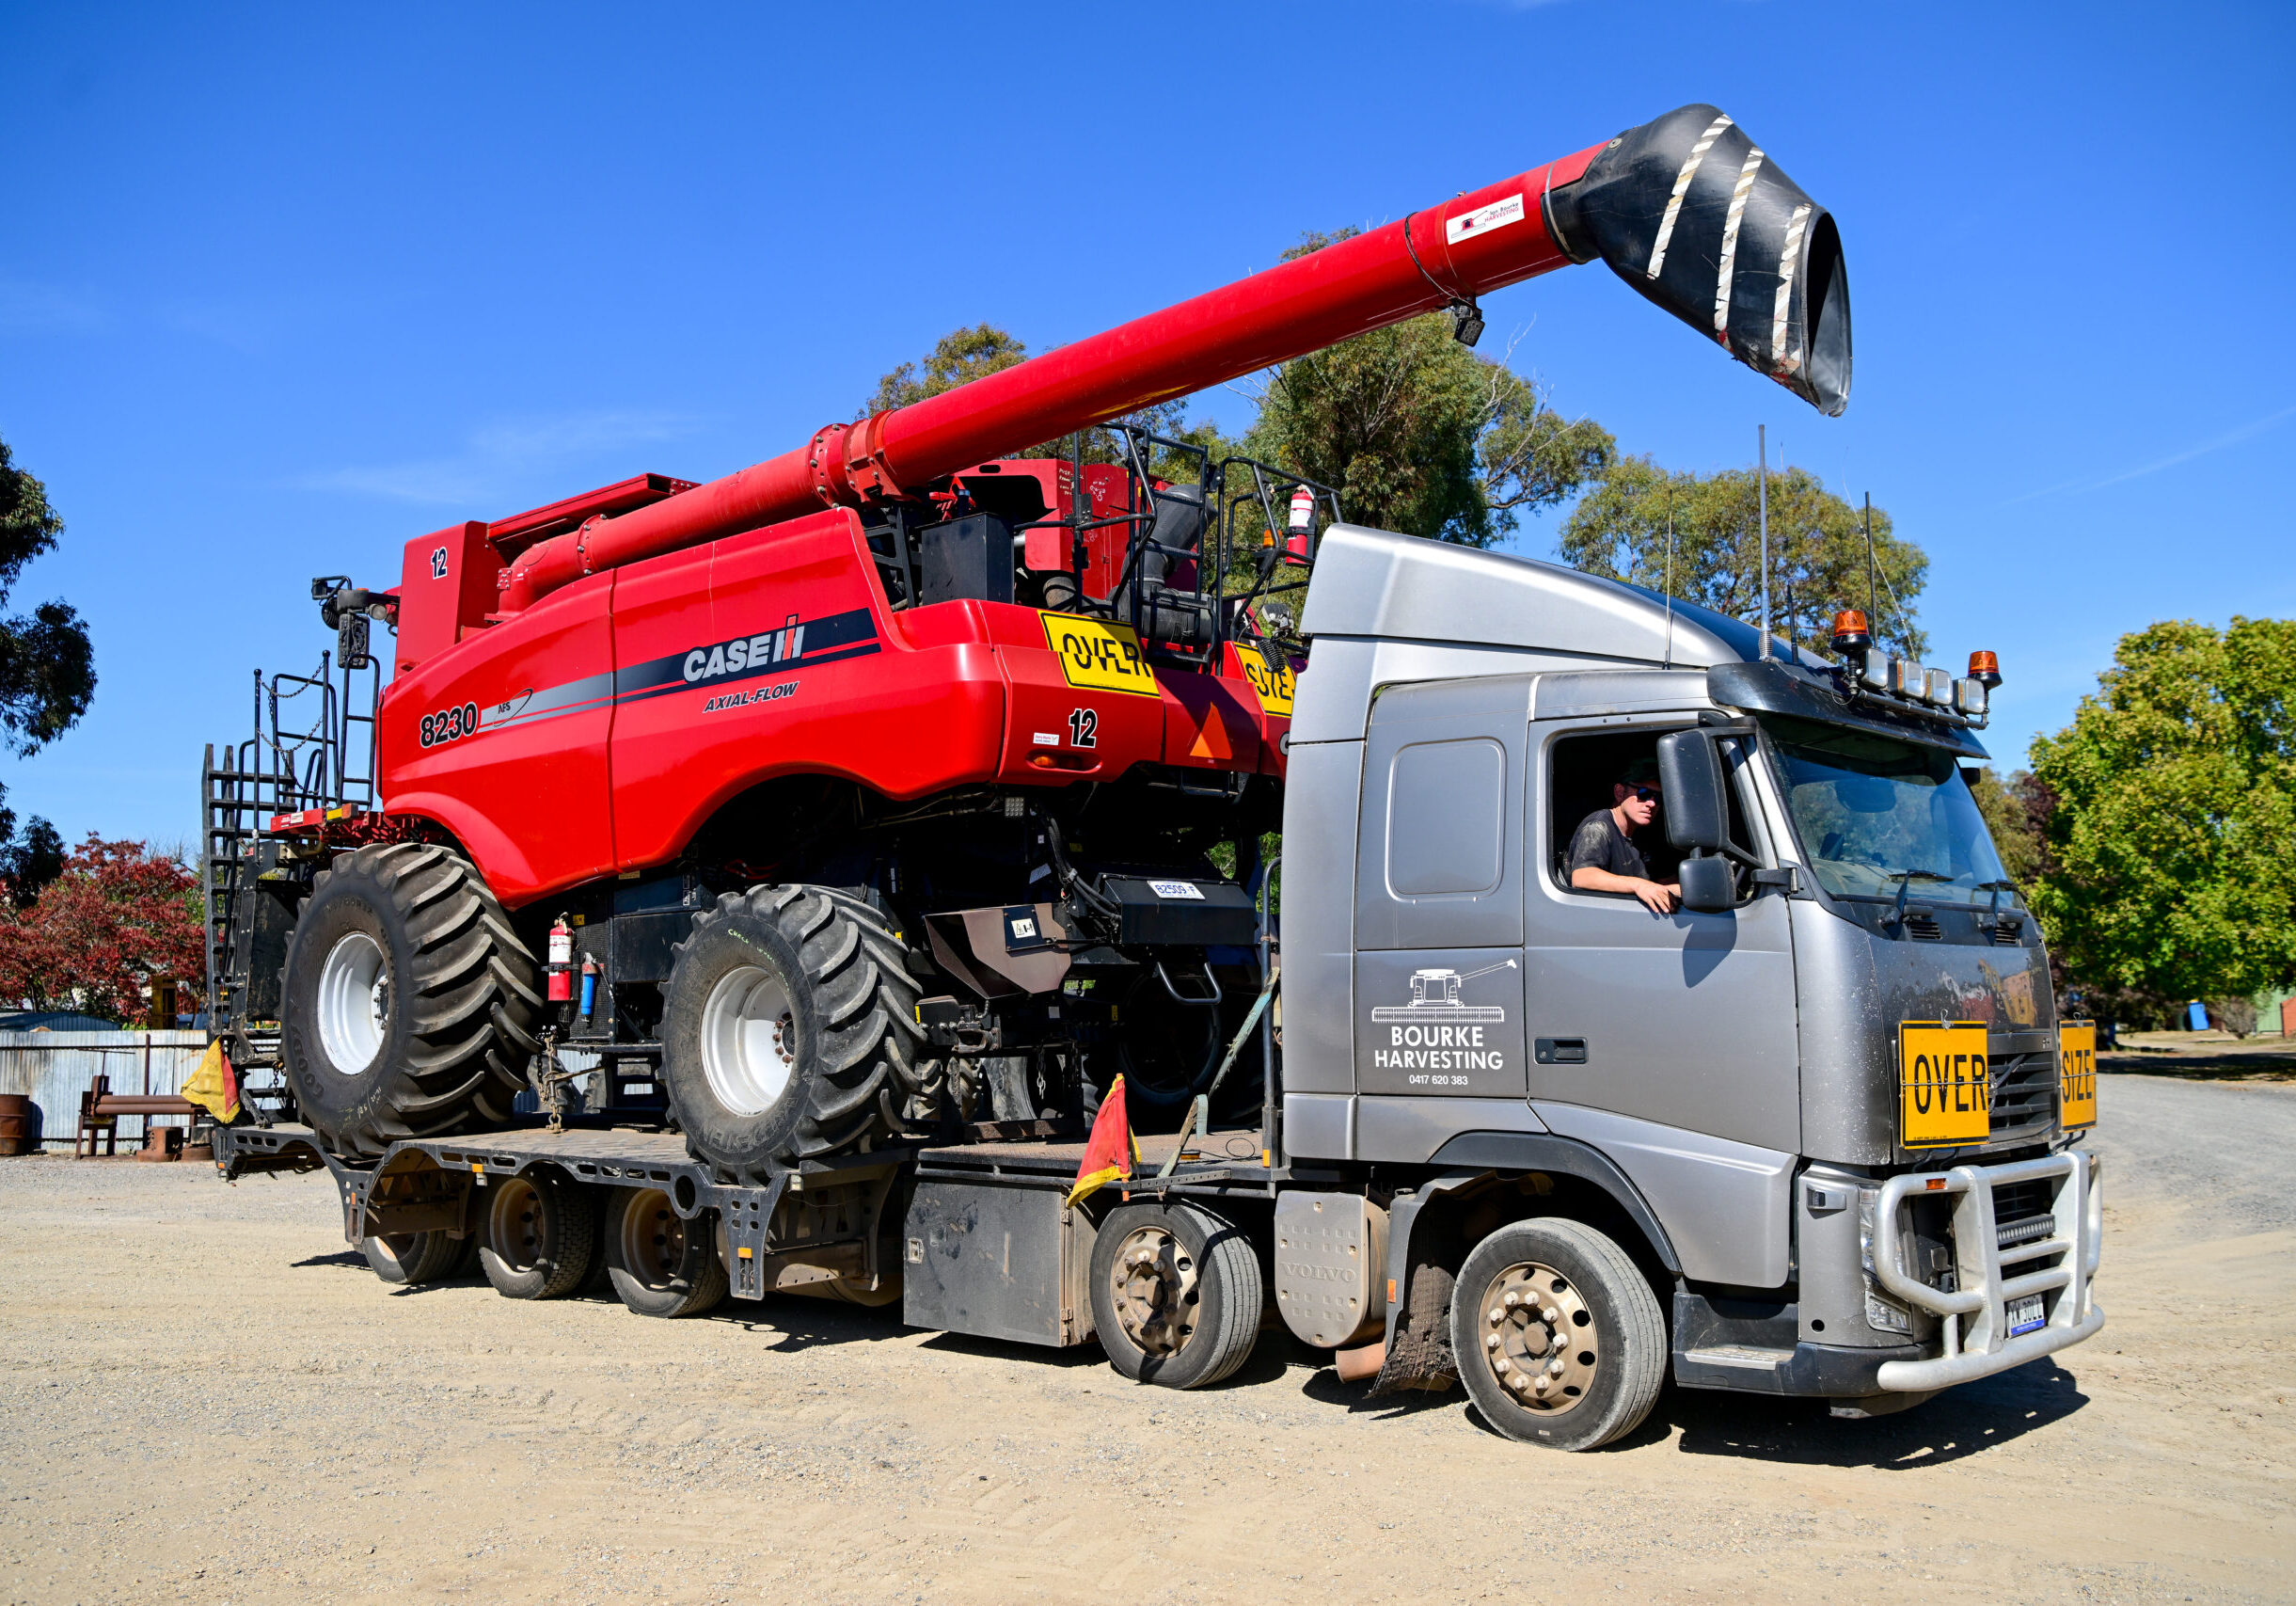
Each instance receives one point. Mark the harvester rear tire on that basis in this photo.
(408, 1003)
(789, 1030)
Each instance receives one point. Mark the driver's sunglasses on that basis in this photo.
(1646, 794)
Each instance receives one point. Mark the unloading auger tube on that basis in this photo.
(1687, 209)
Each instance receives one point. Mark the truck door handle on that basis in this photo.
(1563, 1050)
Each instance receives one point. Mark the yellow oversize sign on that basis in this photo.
(2076, 1073)
(1102, 657)
(1271, 679)
(1942, 1084)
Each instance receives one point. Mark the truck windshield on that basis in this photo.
(1872, 812)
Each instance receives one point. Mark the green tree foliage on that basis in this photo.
(1418, 434)
(957, 358)
(2169, 857)
(1817, 549)
(47, 672)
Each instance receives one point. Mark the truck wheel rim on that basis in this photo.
(1539, 1339)
(354, 1003)
(1154, 1285)
(515, 1224)
(653, 1239)
(749, 1040)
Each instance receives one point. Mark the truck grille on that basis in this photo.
(2023, 1212)
(2024, 1094)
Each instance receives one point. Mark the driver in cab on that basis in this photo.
(1603, 857)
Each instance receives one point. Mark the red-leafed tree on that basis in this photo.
(120, 917)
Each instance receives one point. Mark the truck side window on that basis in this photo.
(1583, 769)
(1446, 827)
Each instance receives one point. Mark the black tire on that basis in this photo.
(449, 1016)
(536, 1237)
(660, 1266)
(1584, 1288)
(1188, 1317)
(413, 1258)
(833, 1057)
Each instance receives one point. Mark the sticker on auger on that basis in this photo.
(1943, 1083)
(1176, 889)
(1483, 219)
(1103, 656)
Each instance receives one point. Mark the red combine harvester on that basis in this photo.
(891, 784)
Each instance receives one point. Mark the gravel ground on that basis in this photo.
(208, 1397)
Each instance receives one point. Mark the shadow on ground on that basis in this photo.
(2234, 1065)
(1958, 1422)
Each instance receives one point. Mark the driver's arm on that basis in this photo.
(1659, 898)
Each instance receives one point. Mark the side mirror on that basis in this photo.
(1709, 885)
(1697, 810)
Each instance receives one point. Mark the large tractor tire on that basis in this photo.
(409, 1002)
(789, 1029)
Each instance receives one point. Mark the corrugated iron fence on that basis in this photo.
(56, 1068)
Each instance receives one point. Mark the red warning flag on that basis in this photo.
(1109, 1152)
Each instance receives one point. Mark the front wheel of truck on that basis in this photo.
(1556, 1334)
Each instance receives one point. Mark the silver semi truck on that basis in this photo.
(1810, 1133)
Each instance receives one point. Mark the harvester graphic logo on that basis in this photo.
(1435, 1000)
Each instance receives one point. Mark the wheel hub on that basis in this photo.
(354, 1003)
(1154, 1282)
(515, 1223)
(749, 1040)
(1538, 1339)
(653, 1238)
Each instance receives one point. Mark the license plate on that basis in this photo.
(2076, 1073)
(1942, 1084)
(2025, 1315)
(1098, 656)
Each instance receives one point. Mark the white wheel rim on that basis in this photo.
(354, 1003)
(749, 1040)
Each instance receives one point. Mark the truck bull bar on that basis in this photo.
(1975, 1311)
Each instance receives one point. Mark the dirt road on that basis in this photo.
(207, 1397)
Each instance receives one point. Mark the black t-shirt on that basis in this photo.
(1599, 842)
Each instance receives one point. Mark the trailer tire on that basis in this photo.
(789, 1030)
(1176, 1294)
(660, 1266)
(408, 1003)
(537, 1237)
(1525, 1291)
(413, 1258)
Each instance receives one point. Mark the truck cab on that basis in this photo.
(1823, 1104)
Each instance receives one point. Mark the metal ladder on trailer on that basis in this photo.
(311, 757)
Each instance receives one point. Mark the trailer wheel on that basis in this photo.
(407, 1002)
(660, 1266)
(413, 1258)
(789, 1029)
(538, 1237)
(1176, 1294)
(1557, 1336)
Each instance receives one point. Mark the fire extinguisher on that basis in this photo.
(590, 987)
(1302, 521)
(560, 966)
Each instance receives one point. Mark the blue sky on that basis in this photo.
(281, 289)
